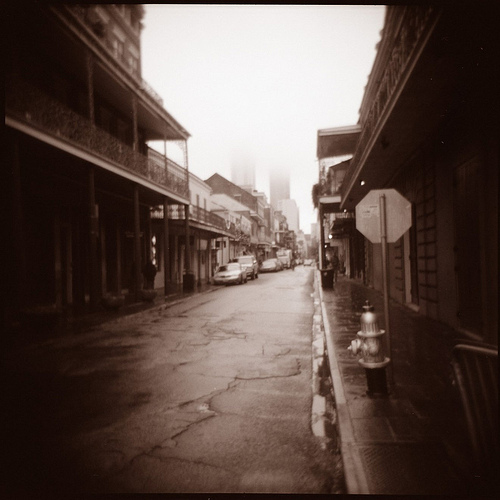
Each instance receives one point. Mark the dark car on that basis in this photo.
(249, 262)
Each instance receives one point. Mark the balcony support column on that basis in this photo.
(134, 124)
(166, 246)
(198, 256)
(19, 270)
(93, 236)
(90, 87)
(208, 260)
(187, 249)
(322, 237)
(188, 285)
(118, 259)
(165, 152)
(137, 244)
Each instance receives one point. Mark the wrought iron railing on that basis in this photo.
(30, 105)
(174, 172)
(199, 214)
(415, 21)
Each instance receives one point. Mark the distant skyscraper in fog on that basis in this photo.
(243, 169)
(279, 185)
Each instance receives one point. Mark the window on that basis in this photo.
(133, 65)
(118, 48)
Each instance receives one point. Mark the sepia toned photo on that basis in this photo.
(250, 249)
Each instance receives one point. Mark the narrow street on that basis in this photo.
(212, 394)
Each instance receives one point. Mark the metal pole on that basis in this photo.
(385, 280)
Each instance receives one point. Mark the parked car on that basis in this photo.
(308, 262)
(285, 256)
(271, 266)
(229, 274)
(249, 262)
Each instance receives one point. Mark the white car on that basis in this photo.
(230, 274)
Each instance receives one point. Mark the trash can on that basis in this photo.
(326, 278)
(188, 282)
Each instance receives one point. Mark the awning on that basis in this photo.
(330, 204)
(337, 141)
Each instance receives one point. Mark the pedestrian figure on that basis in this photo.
(335, 266)
(149, 273)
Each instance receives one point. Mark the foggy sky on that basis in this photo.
(261, 80)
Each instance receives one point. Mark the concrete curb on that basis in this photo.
(319, 416)
(354, 474)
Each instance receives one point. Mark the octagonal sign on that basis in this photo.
(398, 215)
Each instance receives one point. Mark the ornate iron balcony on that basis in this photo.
(28, 104)
(405, 33)
(199, 214)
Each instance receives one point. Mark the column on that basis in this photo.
(321, 237)
(208, 260)
(90, 87)
(188, 285)
(93, 235)
(19, 274)
(58, 260)
(135, 128)
(118, 259)
(104, 270)
(198, 256)
(188, 246)
(137, 244)
(166, 245)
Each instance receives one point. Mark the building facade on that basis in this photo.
(290, 210)
(256, 210)
(80, 175)
(429, 129)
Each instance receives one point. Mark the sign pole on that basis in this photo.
(385, 280)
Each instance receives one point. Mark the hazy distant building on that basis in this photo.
(243, 169)
(290, 210)
(279, 185)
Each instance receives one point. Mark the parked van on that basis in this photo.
(285, 256)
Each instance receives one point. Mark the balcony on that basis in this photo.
(34, 110)
(390, 102)
(198, 214)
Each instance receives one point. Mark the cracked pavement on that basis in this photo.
(212, 394)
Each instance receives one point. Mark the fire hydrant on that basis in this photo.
(369, 345)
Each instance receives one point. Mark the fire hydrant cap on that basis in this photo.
(368, 307)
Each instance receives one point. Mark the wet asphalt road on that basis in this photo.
(212, 394)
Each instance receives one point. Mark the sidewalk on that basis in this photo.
(414, 441)
(79, 323)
